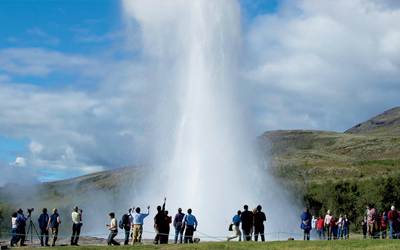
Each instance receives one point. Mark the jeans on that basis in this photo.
(306, 234)
(321, 232)
(346, 232)
(111, 237)
(14, 232)
(76, 230)
(127, 231)
(246, 234)
(21, 235)
(189, 234)
(178, 230)
(259, 230)
(44, 232)
(364, 228)
(393, 230)
(340, 233)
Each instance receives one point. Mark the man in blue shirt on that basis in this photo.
(53, 223)
(43, 220)
(21, 223)
(138, 223)
(191, 224)
(235, 228)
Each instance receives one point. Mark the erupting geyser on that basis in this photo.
(202, 154)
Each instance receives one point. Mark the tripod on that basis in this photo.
(31, 228)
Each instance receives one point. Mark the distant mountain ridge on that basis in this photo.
(388, 122)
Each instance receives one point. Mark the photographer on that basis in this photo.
(76, 226)
(43, 221)
(21, 223)
(53, 223)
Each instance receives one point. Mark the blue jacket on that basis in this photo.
(43, 220)
(306, 221)
(236, 220)
(21, 220)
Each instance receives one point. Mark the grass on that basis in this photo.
(309, 245)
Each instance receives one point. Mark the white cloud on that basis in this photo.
(334, 62)
(20, 162)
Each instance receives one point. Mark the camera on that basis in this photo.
(30, 210)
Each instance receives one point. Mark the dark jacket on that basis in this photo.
(259, 218)
(392, 215)
(247, 219)
(178, 219)
(159, 219)
(43, 220)
(306, 221)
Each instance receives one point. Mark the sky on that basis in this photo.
(71, 78)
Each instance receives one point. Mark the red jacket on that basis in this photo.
(392, 215)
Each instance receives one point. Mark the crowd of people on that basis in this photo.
(184, 224)
(374, 226)
(252, 224)
(328, 227)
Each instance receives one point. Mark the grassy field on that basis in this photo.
(310, 245)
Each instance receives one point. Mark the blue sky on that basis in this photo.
(70, 74)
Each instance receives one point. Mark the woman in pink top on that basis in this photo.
(327, 224)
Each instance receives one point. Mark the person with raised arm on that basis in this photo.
(160, 224)
(138, 224)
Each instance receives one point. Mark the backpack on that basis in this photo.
(121, 224)
(124, 222)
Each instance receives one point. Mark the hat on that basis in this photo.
(393, 208)
(329, 211)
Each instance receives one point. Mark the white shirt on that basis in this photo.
(14, 222)
(314, 223)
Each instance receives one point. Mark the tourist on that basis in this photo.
(44, 233)
(327, 224)
(371, 218)
(364, 227)
(384, 221)
(259, 218)
(339, 225)
(138, 224)
(235, 227)
(321, 227)
(178, 225)
(21, 223)
(54, 222)
(191, 224)
(314, 226)
(334, 228)
(126, 223)
(247, 223)
(306, 223)
(14, 229)
(76, 226)
(393, 216)
(160, 225)
(114, 230)
(168, 220)
(346, 224)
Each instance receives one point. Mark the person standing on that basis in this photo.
(393, 216)
(191, 224)
(384, 221)
(306, 223)
(259, 218)
(76, 225)
(327, 224)
(321, 228)
(247, 223)
(314, 226)
(14, 229)
(160, 225)
(334, 227)
(21, 223)
(178, 225)
(346, 224)
(54, 222)
(371, 218)
(235, 227)
(43, 221)
(339, 224)
(138, 224)
(364, 227)
(126, 221)
(113, 230)
(168, 220)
